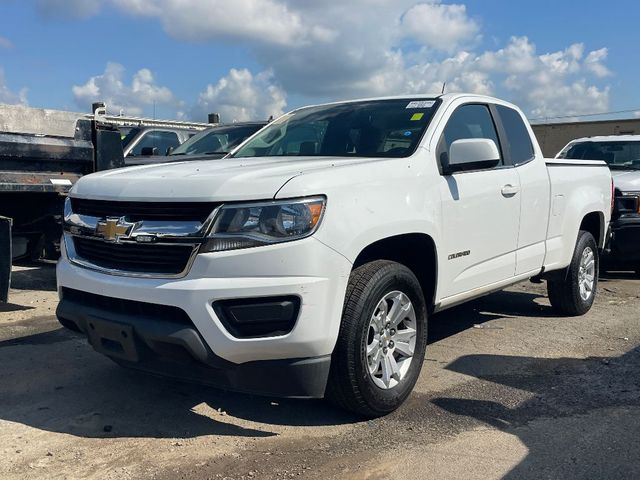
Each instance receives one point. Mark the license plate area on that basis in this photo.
(113, 339)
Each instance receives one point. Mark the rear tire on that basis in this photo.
(382, 340)
(575, 293)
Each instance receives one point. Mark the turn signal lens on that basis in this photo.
(316, 212)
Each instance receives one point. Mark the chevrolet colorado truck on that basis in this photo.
(307, 262)
(622, 154)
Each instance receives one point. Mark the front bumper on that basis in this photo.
(170, 345)
(624, 244)
(307, 269)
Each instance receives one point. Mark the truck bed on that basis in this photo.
(576, 186)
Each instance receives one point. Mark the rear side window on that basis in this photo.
(161, 140)
(518, 141)
(468, 121)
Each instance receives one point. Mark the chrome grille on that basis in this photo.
(136, 211)
(134, 257)
(161, 239)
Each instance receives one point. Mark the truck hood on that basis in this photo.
(228, 179)
(626, 180)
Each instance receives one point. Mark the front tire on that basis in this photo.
(382, 340)
(574, 294)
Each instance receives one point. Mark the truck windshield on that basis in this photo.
(377, 128)
(621, 155)
(217, 140)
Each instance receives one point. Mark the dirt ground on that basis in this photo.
(508, 390)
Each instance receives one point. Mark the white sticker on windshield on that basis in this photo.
(421, 104)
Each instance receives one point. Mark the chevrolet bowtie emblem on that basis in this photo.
(112, 229)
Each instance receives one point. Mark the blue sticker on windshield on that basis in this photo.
(407, 133)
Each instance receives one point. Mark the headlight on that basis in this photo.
(67, 208)
(265, 223)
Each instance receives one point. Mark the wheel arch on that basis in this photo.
(594, 223)
(416, 251)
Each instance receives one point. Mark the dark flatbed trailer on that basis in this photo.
(42, 154)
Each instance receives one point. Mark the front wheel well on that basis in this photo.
(416, 251)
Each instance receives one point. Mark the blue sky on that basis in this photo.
(252, 58)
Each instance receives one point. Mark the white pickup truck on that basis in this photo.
(307, 262)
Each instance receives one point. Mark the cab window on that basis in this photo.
(518, 141)
(468, 121)
(158, 139)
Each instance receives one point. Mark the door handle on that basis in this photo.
(509, 190)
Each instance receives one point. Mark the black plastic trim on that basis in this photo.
(258, 317)
(504, 137)
(154, 339)
(568, 164)
(624, 243)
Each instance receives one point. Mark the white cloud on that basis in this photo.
(594, 63)
(242, 96)
(147, 92)
(9, 96)
(554, 83)
(441, 26)
(516, 58)
(567, 99)
(268, 21)
(337, 49)
(110, 87)
(5, 43)
(69, 8)
(364, 40)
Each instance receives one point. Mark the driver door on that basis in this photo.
(480, 211)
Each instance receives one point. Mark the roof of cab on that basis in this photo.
(446, 97)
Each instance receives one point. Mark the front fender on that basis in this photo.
(373, 201)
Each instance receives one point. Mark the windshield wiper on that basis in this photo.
(212, 153)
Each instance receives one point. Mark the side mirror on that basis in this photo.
(169, 151)
(472, 154)
(149, 151)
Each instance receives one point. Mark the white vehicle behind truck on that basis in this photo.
(622, 154)
(307, 263)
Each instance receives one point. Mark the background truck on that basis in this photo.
(147, 137)
(44, 152)
(211, 143)
(622, 154)
(307, 263)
